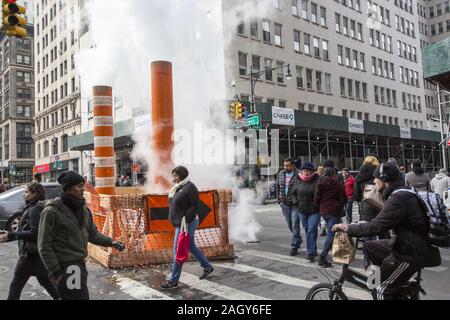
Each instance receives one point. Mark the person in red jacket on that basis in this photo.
(349, 189)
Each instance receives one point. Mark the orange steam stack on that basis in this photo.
(162, 122)
(104, 141)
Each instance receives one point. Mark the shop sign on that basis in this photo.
(283, 116)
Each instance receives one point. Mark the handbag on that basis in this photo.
(344, 250)
(183, 244)
(372, 197)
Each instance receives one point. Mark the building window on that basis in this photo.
(295, 8)
(305, 9)
(327, 82)
(297, 40)
(313, 12)
(269, 71)
(24, 111)
(299, 77)
(323, 16)
(266, 31)
(309, 79)
(325, 53)
(306, 39)
(242, 64)
(254, 29)
(338, 22)
(24, 151)
(350, 88)
(319, 80)
(342, 83)
(340, 53)
(55, 146)
(280, 72)
(278, 39)
(316, 47)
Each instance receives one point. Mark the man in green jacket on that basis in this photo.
(65, 228)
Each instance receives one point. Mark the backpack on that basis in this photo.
(438, 217)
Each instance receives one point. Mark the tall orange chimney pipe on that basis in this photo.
(104, 141)
(162, 123)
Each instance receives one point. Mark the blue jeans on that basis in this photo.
(349, 211)
(311, 224)
(195, 251)
(331, 221)
(293, 222)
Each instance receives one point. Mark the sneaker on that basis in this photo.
(294, 252)
(206, 273)
(169, 285)
(311, 259)
(324, 263)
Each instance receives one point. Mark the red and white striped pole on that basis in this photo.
(104, 141)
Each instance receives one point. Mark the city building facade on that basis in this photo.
(57, 90)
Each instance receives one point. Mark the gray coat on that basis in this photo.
(440, 184)
(420, 182)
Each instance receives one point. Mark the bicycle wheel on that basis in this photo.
(324, 291)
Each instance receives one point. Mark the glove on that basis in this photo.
(118, 245)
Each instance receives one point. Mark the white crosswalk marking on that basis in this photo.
(217, 289)
(139, 291)
(269, 275)
(286, 259)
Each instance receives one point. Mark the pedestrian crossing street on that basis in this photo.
(276, 272)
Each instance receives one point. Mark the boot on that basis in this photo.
(324, 263)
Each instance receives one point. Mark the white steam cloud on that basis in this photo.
(192, 34)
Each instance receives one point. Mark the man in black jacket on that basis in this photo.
(400, 258)
(284, 186)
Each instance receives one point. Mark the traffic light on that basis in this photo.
(233, 110)
(240, 110)
(12, 19)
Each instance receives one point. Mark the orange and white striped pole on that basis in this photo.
(104, 141)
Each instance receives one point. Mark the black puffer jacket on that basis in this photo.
(280, 187)
(28, 230)
(303, 195)
(405, 216)
(364, 178)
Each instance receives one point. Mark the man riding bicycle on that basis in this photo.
(407, 253)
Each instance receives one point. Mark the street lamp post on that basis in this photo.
(255, 76)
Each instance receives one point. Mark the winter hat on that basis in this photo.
(69, 179)
(307, 166)
(329, 164)
(390, 170)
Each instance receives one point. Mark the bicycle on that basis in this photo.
(334, 290)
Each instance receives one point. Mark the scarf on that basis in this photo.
(176, 187)
(307, 178)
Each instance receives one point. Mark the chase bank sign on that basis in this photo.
(283, 117)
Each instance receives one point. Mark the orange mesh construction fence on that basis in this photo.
(141, 222)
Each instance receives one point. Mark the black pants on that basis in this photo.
(26, 267)
(73, 285)
(394, 273)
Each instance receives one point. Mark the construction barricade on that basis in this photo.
(141, 222)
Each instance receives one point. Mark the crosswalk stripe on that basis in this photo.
(269, 275)
(285, 259)
(217, 289)
(139, 291)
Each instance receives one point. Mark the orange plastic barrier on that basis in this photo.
(141, 222)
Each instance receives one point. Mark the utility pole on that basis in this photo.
(443, 136)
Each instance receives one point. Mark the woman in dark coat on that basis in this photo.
(330, 198)
(364, 178)
(30, 263)
(305, 185)
(183, 203)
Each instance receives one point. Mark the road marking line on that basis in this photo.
(139, 291)
(281, 278)
(217, 289)
(286, 259)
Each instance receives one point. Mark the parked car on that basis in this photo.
(12, 205)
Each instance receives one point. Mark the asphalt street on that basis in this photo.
(262, 270)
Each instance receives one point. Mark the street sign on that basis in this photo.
(57, 165)
(254, 121)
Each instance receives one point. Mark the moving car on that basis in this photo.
(12, 205)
